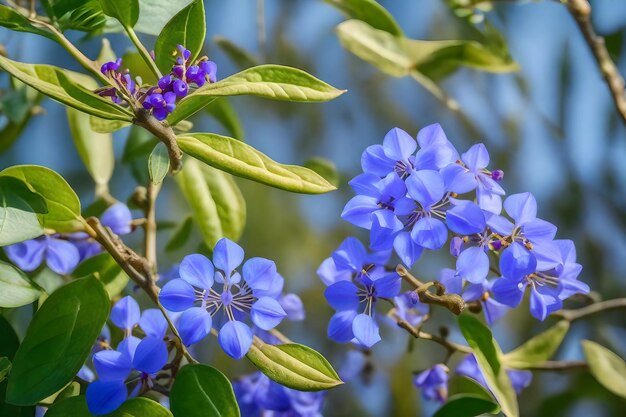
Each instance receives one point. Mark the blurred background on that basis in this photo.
(551, 127)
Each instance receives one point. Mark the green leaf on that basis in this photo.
(294, 366)
(466, 405)
(58, 341)
(19, 206)
(537, 349)
(181, 235)
(15, 288)
(225, 114)
(8, 339)
(99, 125)
(187, 28)
(5, 367)
(240, 57)
(135, 407)
(104, 267)
(136, 65)
(198, 195)
(231, 205)
(488, 353)
(154, 14)
(465, 385)
(158, 163)
(275, 82)
(95, 149)
(237, 158)
(87, 17)
(62, 202)
(11, 19)
(202, 391)
(126, 11)
(137, 149)
(65, 87)
(606, 367)
(325, 168)
(370, 12)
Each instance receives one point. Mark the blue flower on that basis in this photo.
(255, 292)
(135, 361)
(409, 308)
(60, 255)
(360, 281)
(259, 396)
(117, 217)
(434, 383)
(394, 155)
(492, 309)
(469, 367)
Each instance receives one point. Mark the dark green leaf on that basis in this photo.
(5, 367)
(464, 385)
(538, 349)
(10, 18)
(126, 11)
(187, 28)
(104, 267)
(8, 339)
(87, 16)
(158, 163)
(466, 405)
(202, 391)
(19, 206)
(63, 205)
(606, 367)
(15, 288)
(275, 82)
(58, 341)
(76, 406)
(237, 158)
(294, 366)
(225, 115)
(95, 149)
(240, 57)
(370, 12)
(488, 354)
(65, 87)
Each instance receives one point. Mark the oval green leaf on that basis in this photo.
(65, 87)
(370, 12)
(63, 214)
(11, 19)
(15, 288)
(19, 208)
(275, 82)
(135, 407)
(158, 163)
(467, 405)
(230, 203)
(237, 158)
(104, 267)
(537, 349)
(295, 366)
(202, 391)
(187, 28)
(606, 367)
(126, 11)
(95, 149)
(488, 353)
(58, 341)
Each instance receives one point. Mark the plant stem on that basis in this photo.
(452, 302)
(143, 52)
(150, 227)
(579, 313)
(164, 133)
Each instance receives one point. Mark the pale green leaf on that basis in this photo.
(294, 366)
(537, 349)
(187, 28)
(65, 87)
(158, 163)
(15, 288)
(488, 356)
(154, 14)
(19, 207)
(606, 367)
(126, 11)
(275, 82)
(12, 19)
(370, 12)
(237, 158)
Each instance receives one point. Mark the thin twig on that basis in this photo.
(164, 133)
(581, 12)
(143, 52)
(452, 302)
(575, 314)
(150, 225)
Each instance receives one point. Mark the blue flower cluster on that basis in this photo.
(131, 368)
(258, 396)
(214, 294)
(160, 99)
(416, 195)
(62, 253)
(434, 381)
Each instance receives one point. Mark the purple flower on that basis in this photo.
(434, 383)
(394, 155)
(111, 66)
(160, 104)
(354, 295)
(60, 255)
(492, 309)
(255, 292)
(469, 367)
(409, 308)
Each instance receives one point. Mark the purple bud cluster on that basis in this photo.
(161, 99)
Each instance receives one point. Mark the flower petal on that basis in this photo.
(177, 295)
(426, 186)
(508, 291)
(538, 230)
(151, 355)
(494, 310)
(194, 325)
(521, 207)
(408, 251)
(125, 313)
(293, 306)
(388, 286)
(128, 346)
(259, 273)
(61, 256)
(473, 265)
(267, 313)
(117, 218)
(366, 330)
(430, 233)
(516, 261)
(197, 270)
(340, 326)
(358, 211)
(27, 255)
(342, 296)
(104, 397)
(227, 256)
(385, 225)
(112, 365)
(374, 161)
(328, 273)
(235, 338)
(350, 255)
(476, 157)
(153, 323)
(398, 145)
(466, 218)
